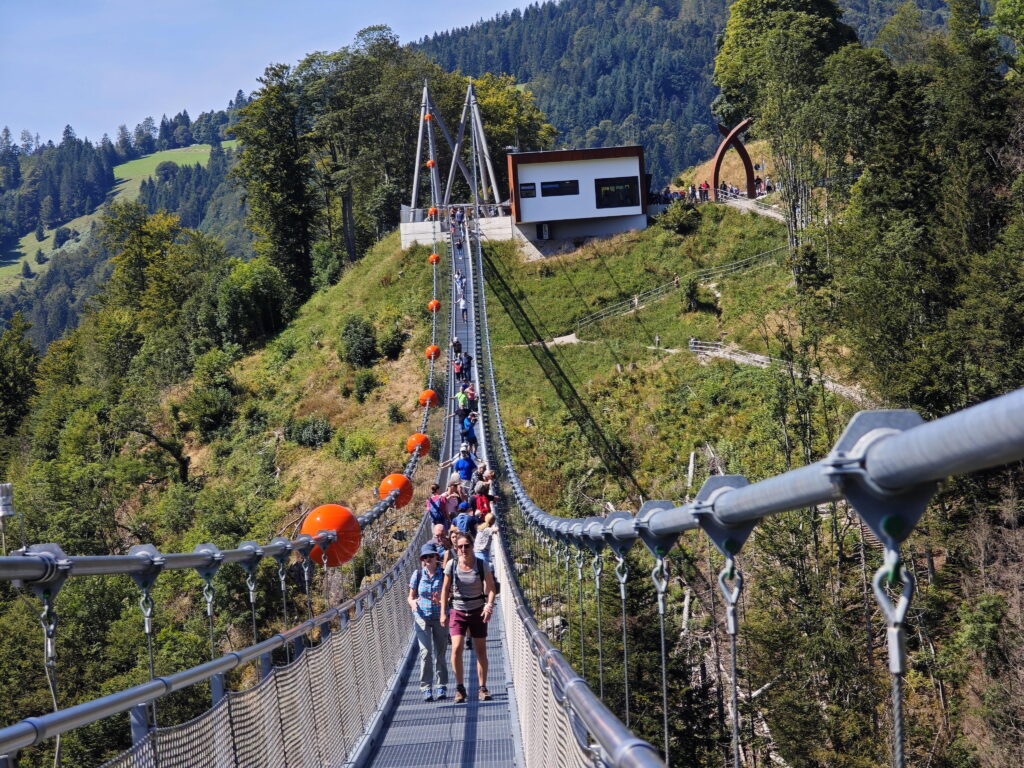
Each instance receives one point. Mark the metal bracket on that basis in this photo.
(58, 568)
(891, 515)
(728, 539)
(250, 565)
(207, 572)
(619, 546)
(659, 545)
(592, 535)
(145, 580)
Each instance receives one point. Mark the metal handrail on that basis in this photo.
(33, 730)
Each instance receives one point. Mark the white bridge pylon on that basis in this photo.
(480, 154)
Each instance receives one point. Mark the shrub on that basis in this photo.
(357, 445)
(251, 302)
(311, 433)
(366, 382)
(391, 343)
(395, 415)
(326, 265)
(61, 236)
(358, 344)
(40, 258)
(680, 217)
(209, 409)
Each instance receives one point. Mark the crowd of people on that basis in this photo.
(701, 193)
(452, 593)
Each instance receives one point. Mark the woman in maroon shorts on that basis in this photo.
(468, 581)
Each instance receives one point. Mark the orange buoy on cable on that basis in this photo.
(432, 352)
(434, 305)
(428, 397)
(431, 163)
(418, 443)
(427, 117)
(434, 258)
(399, 482)
(334, 517)
(432, 211)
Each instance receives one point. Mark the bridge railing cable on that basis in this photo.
(886, 465)
(584, 731)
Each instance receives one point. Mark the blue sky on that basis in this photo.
(98, 63)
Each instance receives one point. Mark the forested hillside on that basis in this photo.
(605, 72)
(632, 72)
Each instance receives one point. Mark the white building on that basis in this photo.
(556, 199)
(576, 193)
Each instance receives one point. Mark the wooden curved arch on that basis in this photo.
(732, 138)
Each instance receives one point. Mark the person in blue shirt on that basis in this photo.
(469, 430)
(425, 602)
(464, 465)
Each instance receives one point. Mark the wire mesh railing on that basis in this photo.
(311, 712)
(563, 722)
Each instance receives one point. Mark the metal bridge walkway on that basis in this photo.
(442, 733)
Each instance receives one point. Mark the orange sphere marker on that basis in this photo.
(401, 482)
(428, 397)
(418, 443)
(434, 258)
(432, 352)
(334, 517)
(427, 117)
(434, 305)
(431, 163)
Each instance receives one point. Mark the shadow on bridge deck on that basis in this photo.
(441, 733)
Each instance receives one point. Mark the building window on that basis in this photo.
(559, 188)
(622, 192)
(528, 190)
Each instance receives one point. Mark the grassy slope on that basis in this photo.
(300, 374)
(661, 403)
(128, 179)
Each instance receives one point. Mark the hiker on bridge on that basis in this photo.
(425, 601)
(436, 507)
(440, 541)
(469, 432)
(464, 466)
(484, 537)
(470, 585)
(452, 497)
(456, 347)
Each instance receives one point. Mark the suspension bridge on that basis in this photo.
(337, 690)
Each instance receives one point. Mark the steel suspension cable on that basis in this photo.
(622, 575)
(598, 568)
(660, 578)
(732, 596)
